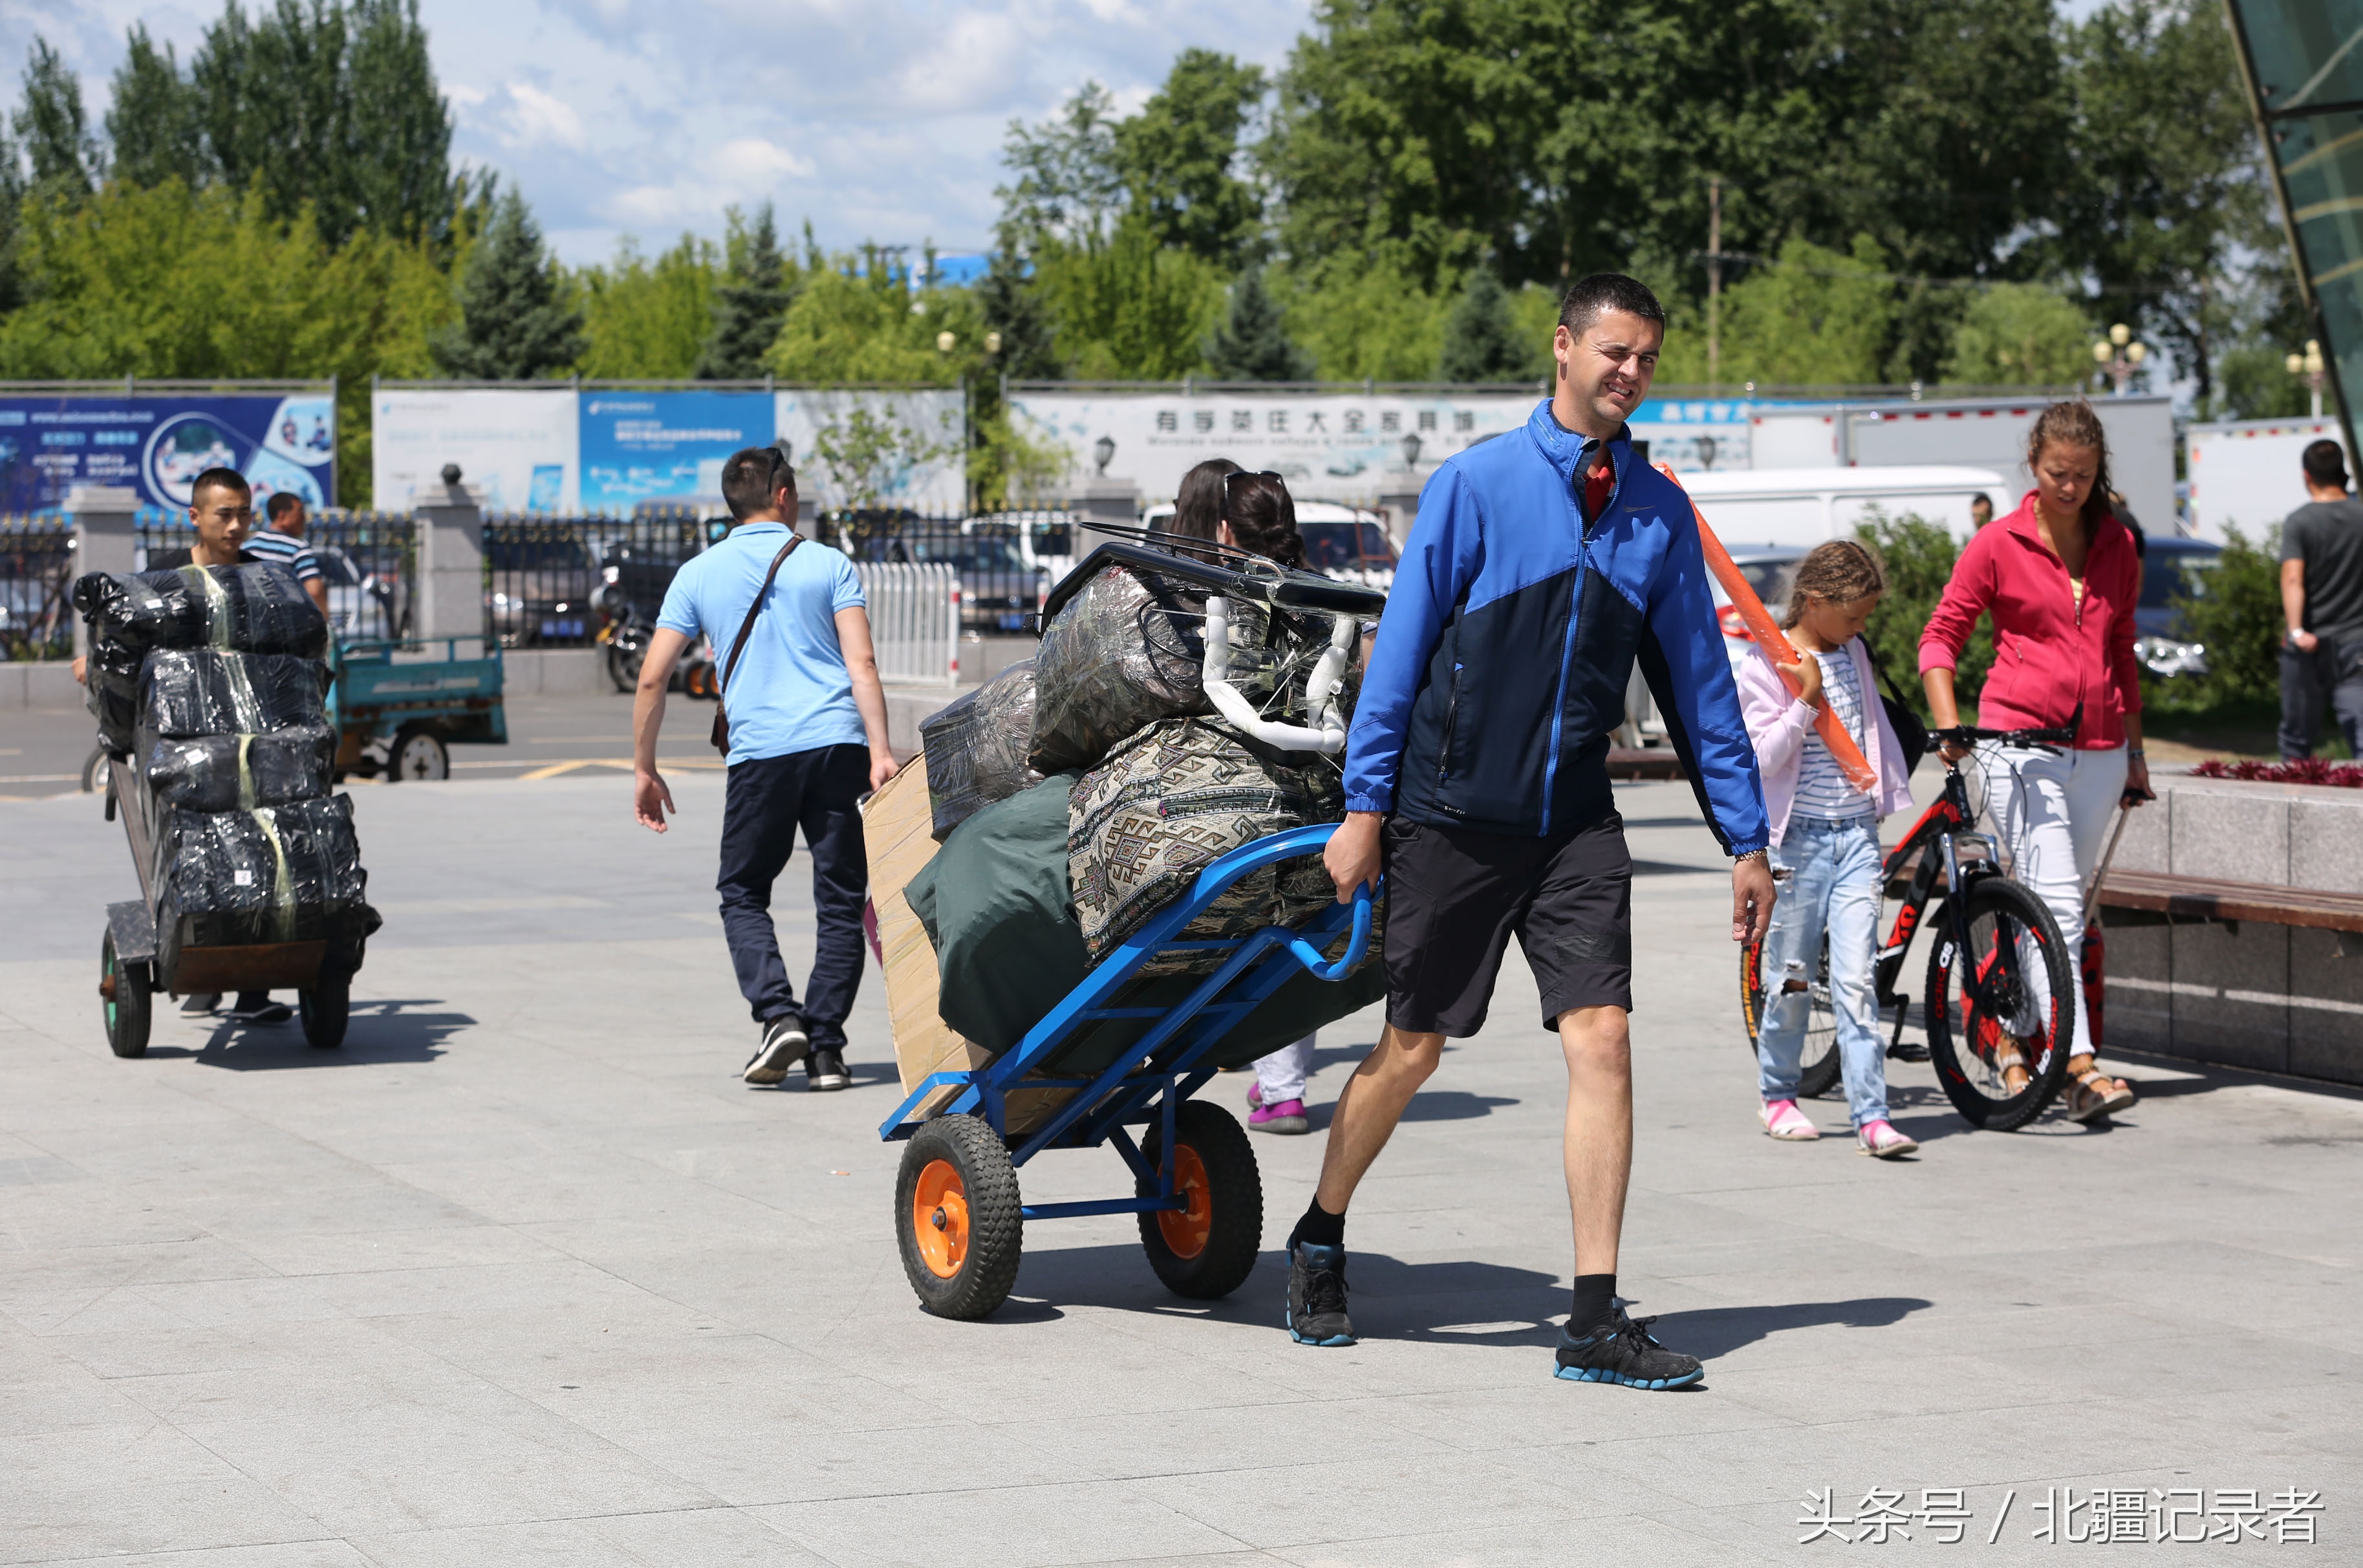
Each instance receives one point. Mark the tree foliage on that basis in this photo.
(518, 320)
(1253, 343)
(2020, 335)
(1917, 556)
(1176, 158)
(647, 319)
(860, 321)
(67, 160)
(1482, 338)
(2233, 608)
(749, 304)
(1129, 309)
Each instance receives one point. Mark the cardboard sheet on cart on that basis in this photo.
(897, 827)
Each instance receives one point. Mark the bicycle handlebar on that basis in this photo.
(1965, 735)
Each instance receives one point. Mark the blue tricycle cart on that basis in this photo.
(958, 1213)
(397, 707)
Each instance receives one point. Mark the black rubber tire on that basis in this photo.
(1962, 1040)
(996, 1231)
(624, 666)
(1234, 1199)
(129, 1012)
(418, 753)
(325, 1007)
(1819, 1072)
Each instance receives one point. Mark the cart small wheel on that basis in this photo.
(324, 1007)
(418, 753)
(1207, 1249)
(128, 1004)
(956, 1214)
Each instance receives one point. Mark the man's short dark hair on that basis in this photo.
(283, 501)
(2325, 464)
(751, 477)
(220, 479)
(1607, 292)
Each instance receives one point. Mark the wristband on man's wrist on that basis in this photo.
(1747, 855)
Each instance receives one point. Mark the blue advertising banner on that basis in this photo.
(157, 445)
(664, 445)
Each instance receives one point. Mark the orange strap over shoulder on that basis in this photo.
(1775, 643)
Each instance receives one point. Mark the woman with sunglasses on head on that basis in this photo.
(1224, 504)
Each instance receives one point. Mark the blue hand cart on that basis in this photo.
(957, 1214)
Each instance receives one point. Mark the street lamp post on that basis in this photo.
(2308, 367)
(2119, 356)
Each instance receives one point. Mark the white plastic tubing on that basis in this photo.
(1326, 731)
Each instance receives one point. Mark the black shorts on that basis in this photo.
(1454, 897)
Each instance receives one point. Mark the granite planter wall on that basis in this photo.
(2242, 994)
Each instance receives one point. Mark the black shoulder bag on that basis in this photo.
(1910, 733)
(721, 713)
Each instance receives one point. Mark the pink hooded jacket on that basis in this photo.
(1779, 721)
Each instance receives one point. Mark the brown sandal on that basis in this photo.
(2007, 1062)
(2095, 1095)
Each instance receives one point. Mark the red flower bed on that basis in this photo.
(2305, 770)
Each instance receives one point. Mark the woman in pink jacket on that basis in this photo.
(2061, 577)
(1825, 836)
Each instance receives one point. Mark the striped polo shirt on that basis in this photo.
(266, 544)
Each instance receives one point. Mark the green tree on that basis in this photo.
(649, 319)
(865, 448)
(1012, 304)
(66, 157)
(1815, 317)
(857, 321)
(1127, 309)
(2234, 609)
(1176, 157)
(2020, 335)
(749, 302)
(1482, 341)
(1069, 183)
(517, 320)
(1253, 343)
(1361, 321)
(152, 124)
(1917, 556)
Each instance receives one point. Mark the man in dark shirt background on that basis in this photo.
(2322, 595)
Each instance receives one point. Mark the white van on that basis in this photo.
(1749, 507)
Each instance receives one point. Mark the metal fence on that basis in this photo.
(543, 574)
(1002, 579)
(37, 573)
(914, 619)
(370, 559)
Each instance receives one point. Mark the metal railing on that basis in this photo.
(914, 619)
(370, 559)
(1003, 579)
(542, 575)
(37, 573)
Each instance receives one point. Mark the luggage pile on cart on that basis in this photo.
(208, 686)
(1105, 886)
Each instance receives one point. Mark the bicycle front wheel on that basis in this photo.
(1998, 1041)
(1819, 1062)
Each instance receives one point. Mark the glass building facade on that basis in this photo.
(2304, 64)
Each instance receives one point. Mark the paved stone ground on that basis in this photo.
(524, 1275)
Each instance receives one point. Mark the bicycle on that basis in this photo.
(1986, 1027)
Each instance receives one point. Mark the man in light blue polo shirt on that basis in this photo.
(807, 739)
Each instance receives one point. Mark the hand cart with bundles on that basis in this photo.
(1184, 924)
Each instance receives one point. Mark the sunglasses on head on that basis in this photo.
(1243, 473)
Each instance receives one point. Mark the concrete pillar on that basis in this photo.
(102, 517)
(1103, 499)
(450, 521)
(1399, 507)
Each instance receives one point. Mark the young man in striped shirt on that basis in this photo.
(281, 544)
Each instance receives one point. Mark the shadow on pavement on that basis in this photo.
(1722, 1329)
(381, 1030)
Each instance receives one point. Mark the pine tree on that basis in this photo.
(1010, 299)
(1480, 338)
(1252, 344)
(152, 123)
(749, 305)
(66, 159)
(517, 319)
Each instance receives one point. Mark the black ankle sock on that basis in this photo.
(1595, 1303)
(1319, 1226)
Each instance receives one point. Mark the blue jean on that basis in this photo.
(1833, 887)
(765, 800)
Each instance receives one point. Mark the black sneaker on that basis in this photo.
(784, 1046)
(1622, 1351)
(1317, 1297)
(824, 1070)
(256, 1007)
(200, 1003)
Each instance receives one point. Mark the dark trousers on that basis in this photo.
(768, 799)
(2331, 674)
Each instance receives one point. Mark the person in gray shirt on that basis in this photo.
(2322, 596)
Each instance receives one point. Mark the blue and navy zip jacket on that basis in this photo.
(1511, 632)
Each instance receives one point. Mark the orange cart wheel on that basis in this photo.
(1205, 1248)
(956, 1214)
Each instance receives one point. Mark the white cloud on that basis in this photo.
(535, 117)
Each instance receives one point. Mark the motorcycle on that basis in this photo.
(624, 636)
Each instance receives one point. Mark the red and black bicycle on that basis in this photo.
(1999, 1040)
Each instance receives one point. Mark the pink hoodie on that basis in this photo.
(1779, 721)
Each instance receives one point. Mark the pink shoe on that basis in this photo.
(1881, 1141)
(1783, 1121)
(1288, 1116)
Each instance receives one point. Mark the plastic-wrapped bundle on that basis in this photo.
(276, 874)
(249, 608)
(199, 691)
(1169, 802)
(111, 691)
(976, 747)
(239, 772)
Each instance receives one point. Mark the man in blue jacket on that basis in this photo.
(1544, 564)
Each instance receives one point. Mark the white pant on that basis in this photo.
(1281, 1075)
(2053, 813)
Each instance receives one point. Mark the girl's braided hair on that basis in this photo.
(1839, 571)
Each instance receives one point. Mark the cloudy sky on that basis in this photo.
(879, 119)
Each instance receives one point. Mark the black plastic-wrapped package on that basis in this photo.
(239, 772)
(111, 691)
(976, 747)
(277, 874)
(252, 607)
(200, 691)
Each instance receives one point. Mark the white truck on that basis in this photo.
(2245, 474)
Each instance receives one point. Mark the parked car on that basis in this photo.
(543, 580)
(2172, 569)
(999, 591)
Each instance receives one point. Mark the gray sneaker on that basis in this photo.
(784, 1046)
